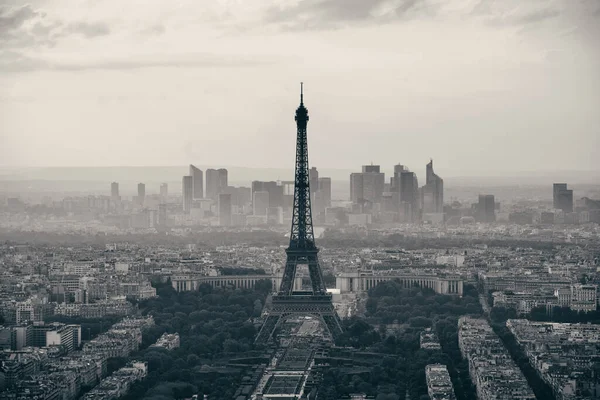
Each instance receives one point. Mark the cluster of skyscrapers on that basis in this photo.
(401, 199)
(217, 191)
(265, 202)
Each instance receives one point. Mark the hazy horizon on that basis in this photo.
(244, 175)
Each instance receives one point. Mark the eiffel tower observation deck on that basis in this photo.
(301, 251)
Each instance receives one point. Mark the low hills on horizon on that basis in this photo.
(244, 175)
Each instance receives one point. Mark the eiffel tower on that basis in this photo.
(301, 251)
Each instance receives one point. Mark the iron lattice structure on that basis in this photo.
(301, 251)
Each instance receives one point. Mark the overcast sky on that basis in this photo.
(481, 86)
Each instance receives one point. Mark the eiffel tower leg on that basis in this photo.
(287, 281)
(333, 324)
(266, 331)
(316, 275)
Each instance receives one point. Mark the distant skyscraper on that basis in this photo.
(321, 198)
(409, 196)
(325, 188)
(366, 187)
(141, 193)
(225, 209)
(164, 191)
(188, 194)
(240, 196)
(197, 182)
(313, 178)
(223, 178)
(216, 182)
(260, 202)
(405, 194)
(433, 191)
(562, 197)
(486, 208)
(274, 189)
(114, 190)
(162, 215)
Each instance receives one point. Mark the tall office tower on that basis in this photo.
(433, 191)
(141, 193)
(356, 187)
(313, 177)
(325, 187)
(405, 194)
(164, 191)
(162, 215)
(212, 183)
(486, 208)
(216, 182)
(409, 196)
(197, 182)
(260, 202)
(114, 190)
(243, 196)
(366, 187)
(223, 178)
(224, 209)
(188, 193)
(556, 188)
(275, 192)
(563, 197)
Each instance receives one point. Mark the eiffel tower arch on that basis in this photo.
(301, 251)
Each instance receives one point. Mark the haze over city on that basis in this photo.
(483, 87)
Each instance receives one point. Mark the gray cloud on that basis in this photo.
(11, 61)
(88, 29)
(331, 14)
(512, 13)
(25, 27)
(13, 26)
(12, 18)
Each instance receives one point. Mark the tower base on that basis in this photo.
(284, 306)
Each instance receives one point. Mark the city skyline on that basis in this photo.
(509, 79)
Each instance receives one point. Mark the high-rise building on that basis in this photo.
(216, 182)
(141, 194)
(114, 190)
(197, 182)
(408, 195)
(486, 208)
(164, 191)
(260, 202)
(433, 192)
(313, 179)
(188, 194)
(404, 188)
(321, 198)
(325, 188)
(274, 189)
(366, 187)
(225, 209)
(562, 197)
(223, 178)
(162, 215)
